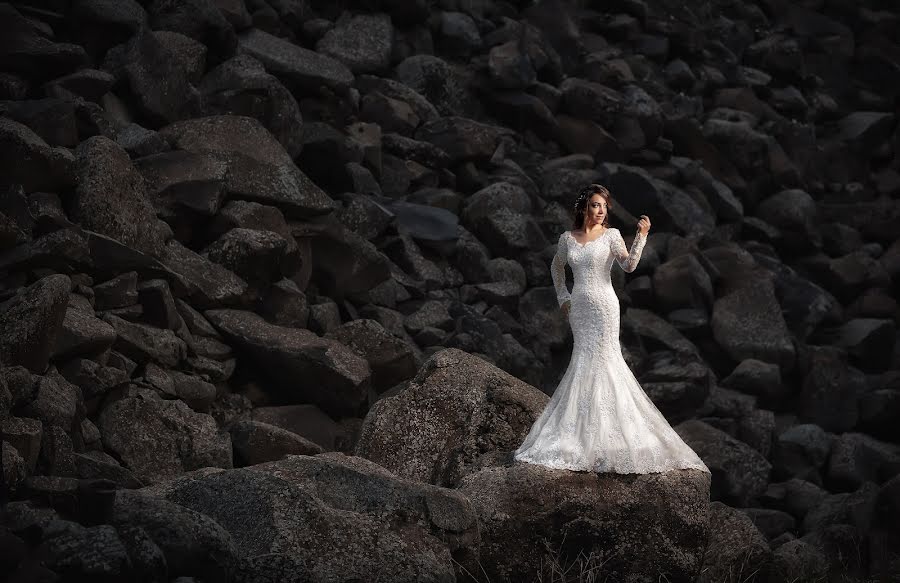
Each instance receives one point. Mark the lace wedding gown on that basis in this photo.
(599, 418)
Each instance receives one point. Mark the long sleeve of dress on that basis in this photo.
(628, 260)
(558, 271)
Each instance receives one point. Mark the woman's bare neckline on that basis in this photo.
(572, 234)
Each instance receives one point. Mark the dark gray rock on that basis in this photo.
(260, 168)
(288, 509)
(435, 79)
(119, 292)
(57, 457)
(682, 282)
(53, 120)
(64, 250)
(156, 77)
(200, 20)
(193, 390)
(255, 256)
(509, 67)
(241, 86)
(335, 378)
(158, 305)
(100, 24)
(739, 472)
(286, 305)
(421, 107)
(159, 439)
(747, 323)
(657, 331)
(771, 523)
(255, 443)
(193, 544)
(56, 402)
(145, 343)
(857, 458)
(757, 378)
(794, 213)
(798, 560)
(669, 207)
(801, 452)
(362, 42)
(31, 52)
(849, 508)
(183, 185)
(390, 359)
(300, 69)
(111, 197)
(395, 439)
(79, 552)
(96, 465)
(24, 435)
(190, 53)
(345, 263)
(82, 334)
(31, 322)
(307, 421)
(869, 342)
(514, 501)
(734, 542)
(794, 496)
(457, 35)
(33, 164)
(462, 138)
(89, 84)
(208, 283)
(829, 395)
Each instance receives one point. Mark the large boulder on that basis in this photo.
(303, 366)
(156, 78)
(111, 197)
(669, 207)
(28, 160)
(200, 20)
(31, 322)
(241, 86)
(632, 527)
(159, 439)
(457, 410)
(207, 283)
(390, 358)
(301, 70)
(747, 323)
(735, 545)
(739, 472)
(259, 167)
(344, 263)
(332, 517)
(193, 544)
(362, 42)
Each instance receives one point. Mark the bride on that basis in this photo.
(599, 419)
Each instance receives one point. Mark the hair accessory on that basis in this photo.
(588, 191)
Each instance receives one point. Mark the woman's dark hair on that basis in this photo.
(584, 195)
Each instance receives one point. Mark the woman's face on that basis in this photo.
(595, 213)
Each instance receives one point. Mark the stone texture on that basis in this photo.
(416, 433)
(159, 439)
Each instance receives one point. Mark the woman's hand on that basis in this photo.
(644, 224)
(567, 305)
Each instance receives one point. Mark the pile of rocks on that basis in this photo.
(233, 231)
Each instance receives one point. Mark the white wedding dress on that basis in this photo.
(599, 418)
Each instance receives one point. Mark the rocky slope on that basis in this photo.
(275, 302)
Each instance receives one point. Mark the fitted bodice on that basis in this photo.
(591, 262)
(594, 307)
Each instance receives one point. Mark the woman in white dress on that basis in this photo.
(599, 418)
